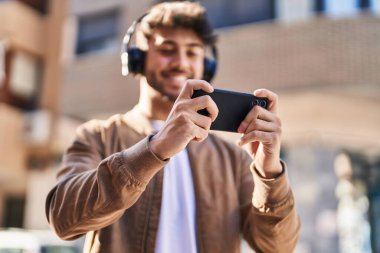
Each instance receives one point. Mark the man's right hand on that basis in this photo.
(184, 123)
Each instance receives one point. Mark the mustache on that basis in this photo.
(177, 71)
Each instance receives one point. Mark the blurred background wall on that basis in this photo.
(59, 66)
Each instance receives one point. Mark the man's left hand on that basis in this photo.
(261, 135)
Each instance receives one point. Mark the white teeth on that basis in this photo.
(180, 78)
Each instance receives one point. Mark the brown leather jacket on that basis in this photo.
(110, 187)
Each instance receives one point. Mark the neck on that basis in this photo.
(152, 104)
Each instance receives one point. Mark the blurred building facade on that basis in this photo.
(322, 58)
(30, 73)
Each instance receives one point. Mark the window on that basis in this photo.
(228, 13)
(375, 7)
(294, 10)
(98, 32)
(24, 80)
(341, 8)
(14, 211)
(21, 83)
(24, 75)
(319, 6)
(344, 8)
(224, 13)
(364, 3)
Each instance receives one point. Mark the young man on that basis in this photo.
(155, 180)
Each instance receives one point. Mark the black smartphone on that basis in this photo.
(233, 107)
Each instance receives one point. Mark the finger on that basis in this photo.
(200, 134)
(200, 120)
(260, 136)
(252, 148)
(191, 85)
(205, 102)
(273, 98)
(262, 125)
(257, 112)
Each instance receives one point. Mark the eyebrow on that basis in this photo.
(192, 44)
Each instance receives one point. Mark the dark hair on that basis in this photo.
(179, 14)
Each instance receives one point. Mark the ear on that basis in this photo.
(136, 60)
(209, 69)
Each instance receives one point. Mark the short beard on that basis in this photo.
(159, 87)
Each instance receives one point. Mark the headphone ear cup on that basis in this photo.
(209, 69)
(136, 60)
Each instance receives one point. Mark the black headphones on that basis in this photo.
(133, 58)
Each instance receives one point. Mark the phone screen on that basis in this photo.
(233, 107)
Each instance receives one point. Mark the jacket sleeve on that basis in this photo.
(269, 222)
(92, 192)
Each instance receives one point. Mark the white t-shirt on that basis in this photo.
(177, 228)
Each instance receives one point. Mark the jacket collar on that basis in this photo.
(138, 121)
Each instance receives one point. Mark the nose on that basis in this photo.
(180, 60)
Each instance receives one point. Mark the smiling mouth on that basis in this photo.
(177, 77)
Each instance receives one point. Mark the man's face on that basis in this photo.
(174, 55)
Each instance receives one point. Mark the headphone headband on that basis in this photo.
(133, 58)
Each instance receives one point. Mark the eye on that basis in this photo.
(194, 53)
(167, 51)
